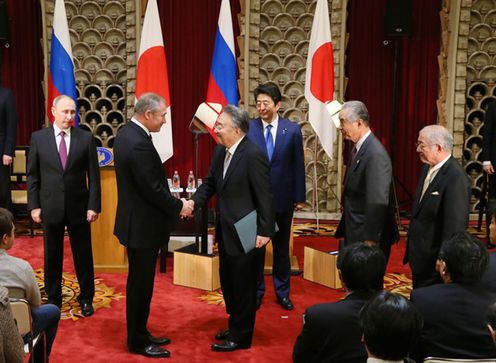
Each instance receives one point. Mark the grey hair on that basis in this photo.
(438, 135)
(239, 117)
(57, 99)
(358, 110)
(148, 102)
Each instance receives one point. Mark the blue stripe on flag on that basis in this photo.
(224, 69)
(62, 71)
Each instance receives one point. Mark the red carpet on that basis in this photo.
(178, 313)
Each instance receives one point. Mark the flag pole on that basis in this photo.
(316, 198)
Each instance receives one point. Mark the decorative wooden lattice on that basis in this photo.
(481, 88)
(98, 36)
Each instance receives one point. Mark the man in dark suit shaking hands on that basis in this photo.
(368, 199)
(239, 177)
(441, 204)
(64, 191)
(281, 140)
(8, 122)
(146, 213)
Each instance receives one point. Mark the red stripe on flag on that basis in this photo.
(152, 73)
(322, 84)
(214, 93)
(53, 93)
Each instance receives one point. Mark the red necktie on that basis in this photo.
(353, 153)
(62, 150)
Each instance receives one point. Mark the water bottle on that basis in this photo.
(176, 182)
(191, 180)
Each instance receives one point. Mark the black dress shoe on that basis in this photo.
(286, 303)
(152, 351)
(158, 340)
(228, 346)
(222, 335)
(87, 308)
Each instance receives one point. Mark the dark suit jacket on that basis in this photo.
(442, 211)
(455, 322)
(489, 135)
(287, 167)
(332, 332)
(245, 187)
(489, 278)
(368, 198)
(8, 121)
(58, 192)
(146, 210)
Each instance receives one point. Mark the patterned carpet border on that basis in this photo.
(394, 282)
(70, 290)
(329, 229)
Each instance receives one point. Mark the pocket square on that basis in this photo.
(435, 193)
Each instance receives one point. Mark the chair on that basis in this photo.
(11, 345)
(18, 178)
(22, 315)
(454, 360)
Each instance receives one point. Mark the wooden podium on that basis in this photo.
(108, 254)
(320, 267)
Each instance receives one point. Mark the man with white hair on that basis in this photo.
(441, 204)
(368, 214)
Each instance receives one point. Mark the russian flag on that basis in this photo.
(319, 80)
(61, 80)
(151, 75)
(223, 85)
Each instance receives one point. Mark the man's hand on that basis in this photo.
(36, 215)
(91, 215)
(371, 243)
(262, 241)
(188, 208)
(487, 168)
(299, 206)
(7, 159)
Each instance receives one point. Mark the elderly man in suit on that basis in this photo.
(64, 191)
(239, 177)
(441, 204)
(8, 122)
(146, 214)
(282, 142)
(368, 199)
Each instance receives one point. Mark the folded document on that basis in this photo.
(246, 228)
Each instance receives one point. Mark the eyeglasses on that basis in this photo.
(421, 145)
(219, 127)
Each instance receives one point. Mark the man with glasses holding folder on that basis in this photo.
(239, 177)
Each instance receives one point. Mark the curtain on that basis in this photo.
(369, 68)
(189, 27)
(21, 65)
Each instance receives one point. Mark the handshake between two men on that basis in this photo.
(188, 208)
